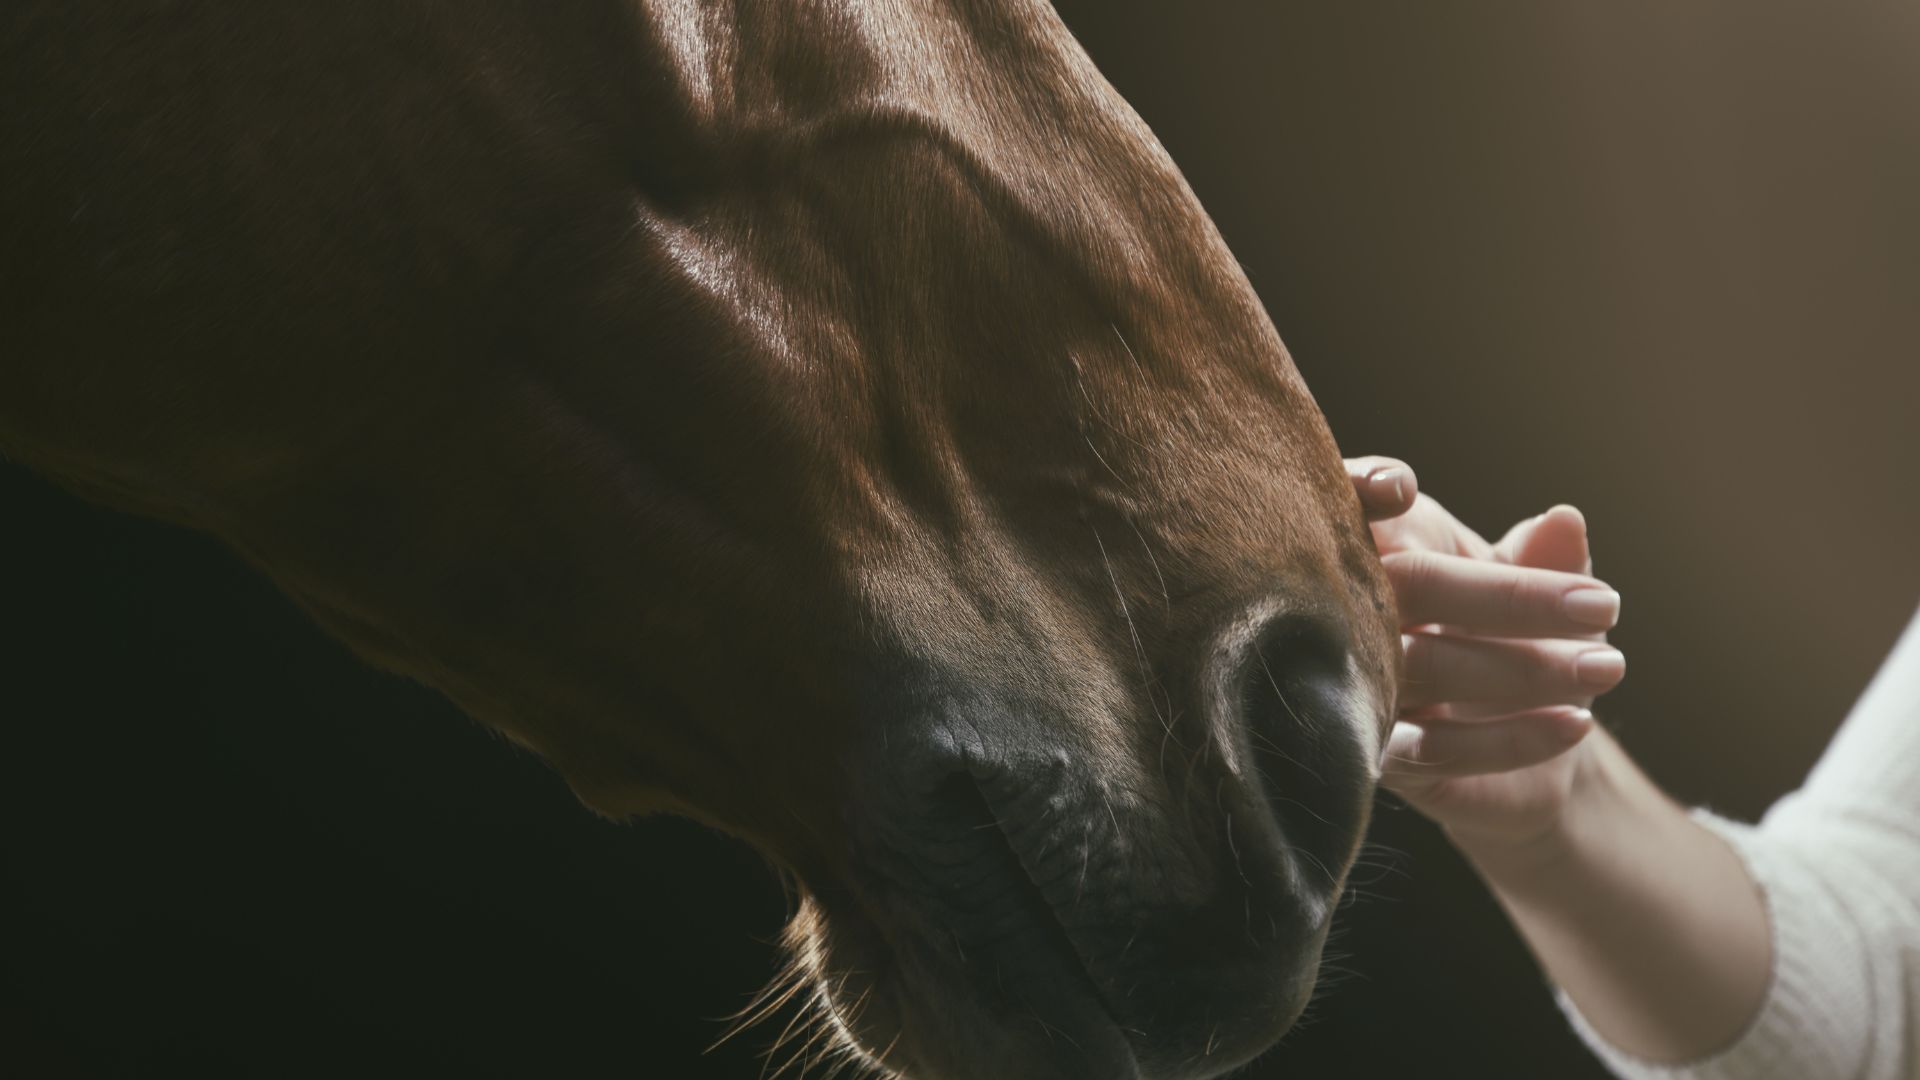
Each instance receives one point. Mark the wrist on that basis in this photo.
(1650, 923)
(1608, 801)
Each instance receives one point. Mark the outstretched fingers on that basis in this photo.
(1499, 599)
(1447, 669)
(1438, 749)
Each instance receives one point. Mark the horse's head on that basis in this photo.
(839, 423)
(1011, 592)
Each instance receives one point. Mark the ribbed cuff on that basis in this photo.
(1811, 1026)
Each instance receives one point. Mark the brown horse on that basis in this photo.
(835, 421)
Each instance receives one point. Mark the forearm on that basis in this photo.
(1648, 921)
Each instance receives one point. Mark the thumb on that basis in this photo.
(1556, 540)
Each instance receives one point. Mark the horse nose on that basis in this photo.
(1310, 732)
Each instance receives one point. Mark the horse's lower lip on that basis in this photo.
(1017, 909)
(1010, 939)
(1049, 891)
(1026, 888)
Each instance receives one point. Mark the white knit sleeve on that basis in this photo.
(1838, 865)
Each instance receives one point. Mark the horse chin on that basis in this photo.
(903, 1000)
(905, 1007)
(973, 959)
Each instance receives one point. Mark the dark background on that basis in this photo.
(1662, 262)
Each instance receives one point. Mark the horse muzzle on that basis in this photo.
(1015, 903)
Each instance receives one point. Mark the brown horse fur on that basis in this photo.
(837, 421)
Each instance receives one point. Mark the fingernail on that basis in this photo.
(1600, 667)
(1598, 608)
(1390, 480)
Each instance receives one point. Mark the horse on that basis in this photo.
(835, 421)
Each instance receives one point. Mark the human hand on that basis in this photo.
(1505, 649)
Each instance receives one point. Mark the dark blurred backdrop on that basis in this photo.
(1660, 261)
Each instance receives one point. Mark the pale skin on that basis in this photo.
(1648, 921)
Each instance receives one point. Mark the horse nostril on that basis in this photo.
(1304, 725)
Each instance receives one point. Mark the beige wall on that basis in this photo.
(1659, 260)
